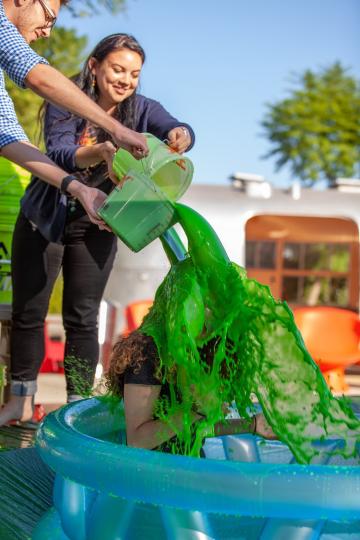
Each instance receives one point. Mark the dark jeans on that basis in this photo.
(86, 258)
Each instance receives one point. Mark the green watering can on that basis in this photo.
(142, 208)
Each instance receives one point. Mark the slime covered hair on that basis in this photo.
(206, 297)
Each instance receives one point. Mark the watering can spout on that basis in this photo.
(173, 246)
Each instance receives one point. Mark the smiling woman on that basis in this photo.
(85, 253)
(117, 76)
(21, 23)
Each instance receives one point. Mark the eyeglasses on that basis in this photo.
(50, 16)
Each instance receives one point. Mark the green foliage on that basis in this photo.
(316, 130)
(83, 8)
(79, 373)
(64, 51)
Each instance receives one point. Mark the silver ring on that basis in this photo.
(185, 130)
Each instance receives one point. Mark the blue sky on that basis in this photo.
(214, 64)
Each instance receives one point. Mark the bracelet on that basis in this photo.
(65, 184)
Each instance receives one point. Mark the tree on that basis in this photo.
(92, 7)
(65, 51)
(316, 130)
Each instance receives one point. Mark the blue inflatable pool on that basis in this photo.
(246, 488)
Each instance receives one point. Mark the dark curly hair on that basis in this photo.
(129, 351)
(136, 348)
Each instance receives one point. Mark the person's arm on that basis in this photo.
(87, 156)
(62, 131)
(28, 69)
(235, 426)
(155, 119)
(142, 431)
(28, 156)
(50, 84)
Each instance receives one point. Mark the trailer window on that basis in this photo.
(292, 256)
(312, 291)
(260, 254)
(305, 260)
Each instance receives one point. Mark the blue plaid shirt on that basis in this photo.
(16, 59)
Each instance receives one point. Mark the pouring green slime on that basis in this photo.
(259, 352)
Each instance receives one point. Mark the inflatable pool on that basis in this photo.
(246, 488)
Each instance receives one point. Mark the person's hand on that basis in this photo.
(262, 427)
(179, 139)
(91, 199)
(130, 140)
(107, 152)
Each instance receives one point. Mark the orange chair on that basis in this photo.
(135, 312)
(332, 337)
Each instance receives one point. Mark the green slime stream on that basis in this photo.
(259, 352)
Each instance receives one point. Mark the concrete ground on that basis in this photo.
(51, 391)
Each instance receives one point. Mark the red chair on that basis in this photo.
(134, 314)
(332, 337)
(54, 355)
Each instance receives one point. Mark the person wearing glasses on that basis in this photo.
(21, 23)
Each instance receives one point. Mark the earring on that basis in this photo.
(93, 82)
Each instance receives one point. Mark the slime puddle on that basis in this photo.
(207, 301)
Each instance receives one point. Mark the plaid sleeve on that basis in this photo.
(10, 129)
(16, 57)
(11, 134)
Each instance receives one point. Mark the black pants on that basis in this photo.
(86, 258)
